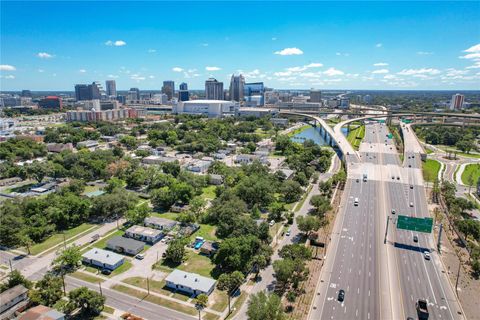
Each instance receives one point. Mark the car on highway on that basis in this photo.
(358, 180)
(411, 186)
(341, 295)
(411, 204)
(355, 202)
(398, 178)
(393, 177)
(393, 211)
(426, 255)
(415, 238)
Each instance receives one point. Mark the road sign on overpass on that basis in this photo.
(415, 224)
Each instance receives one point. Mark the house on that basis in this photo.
(59, 147)
(89, 144)
(178, 207)
(249, 158)
(209, 248)
(159, 223)
(216, 179)
(13, 300)
(42, 313)
(158, 159)
(103, 258)
(199, 166)
(190, 283)
(219, 156)
(50, 186)
(144, 234)
(287, 172)
(188, 229)
(125, 245)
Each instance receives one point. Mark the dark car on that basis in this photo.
(415, 238)
(341, 295)
(106, 271)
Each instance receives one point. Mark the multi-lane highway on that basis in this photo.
(382, 281)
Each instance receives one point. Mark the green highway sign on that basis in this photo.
(415, 224)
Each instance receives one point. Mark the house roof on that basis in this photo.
(126, 243)
(144, 231)
(160, 221)
(12, 293)
(41, 313)
(190, 280)
(104, 256)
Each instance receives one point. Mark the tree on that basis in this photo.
(172, 168)
(295, 251)
(68, 259)
(265, 307)
(90, 302)
(175, 251)
(229, 282)
(15, 278)
(38, 170)
(321, 205)
(308, 223)
(292, 191)
(276, 211)
(11, 224)
(476, 267)
(259, 262)
(325, 188)
(114, 204)
(129, 142)
(201, 302)
(113, 184)
(138, 213)
(48, 290)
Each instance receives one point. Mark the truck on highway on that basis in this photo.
(364, 177)
(422, 309)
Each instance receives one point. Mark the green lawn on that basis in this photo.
(155, 286)
(237, 304)
(430, 170)
(209, 192)
(108, 309)
(124, 267)
(206, 231)
(356, 136)
(102, 243)
(471, 174)
(86, 277)
(155, 299)
(218, 300)
(58, 238)
(166, 215)
(197, 263)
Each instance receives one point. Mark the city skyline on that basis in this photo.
(346, 45)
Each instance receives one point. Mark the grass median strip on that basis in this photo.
(430, 170)
(471, 174)
(155, 299)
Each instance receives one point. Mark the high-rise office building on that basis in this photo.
(255, 91)
(169, 89)
(87, 91)
(50, 102)
(26, 93)
(457, 101)
(183, 95)
(183, 86)
(315, 96)
(134, 94)
(237, 84)
(213, 89)
(111, 88)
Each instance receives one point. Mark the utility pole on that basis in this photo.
(10, 262)
(386, 230)
(100, 285)
(439, 247)
(148, 285)
(458, 276)
(63, 281)
(64, 241)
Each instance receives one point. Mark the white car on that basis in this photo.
(426, 255)
(288, 233)
(272, 223)
(140, 256)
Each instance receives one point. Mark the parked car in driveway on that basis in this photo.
(140, 256)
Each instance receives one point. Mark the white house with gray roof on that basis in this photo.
(190, 283)
(125, 245)
(103, 258)
(144, 234)
(159, 223)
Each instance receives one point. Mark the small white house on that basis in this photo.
(144, 234)
(103, 258)
(190, 283)
(159, 223)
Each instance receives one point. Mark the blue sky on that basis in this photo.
(325, 45)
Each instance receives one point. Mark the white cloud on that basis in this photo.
(82, 70)
(289, 52)
(112, 76)
(411, 72)
(137, 77)
(476, 65)
(283, 73)
(345, 54)
(475, 48)
(116, 43)
(10, 76)
(380, 71)
(152, 50)
(44, 55)
(151, 77)
(424, 53)
(333, 72)
(379, 45)
(305, 67)
(212, 68)
(474, 56)
(380, 64)
(177, 69)
(390, 77)
(41, 70)
(7, 67)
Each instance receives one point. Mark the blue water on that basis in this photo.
(313, 133)
(199, 244)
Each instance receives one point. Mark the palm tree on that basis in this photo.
(201, 302)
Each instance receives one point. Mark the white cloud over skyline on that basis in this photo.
(45, 55)
(213, 68)
(7, 67)
(289, 52)
(116, 43)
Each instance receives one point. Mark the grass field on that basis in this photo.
(237, 304)
(209, 192)
(218, 300)
(430, 170)
(155, 286)
(356, 136)
(58, 238)
(197, 263)
(124, 267)
(103, 242)
(471, 174)
(86, 277)
(206, 231)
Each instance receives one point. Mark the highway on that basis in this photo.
(382, 281)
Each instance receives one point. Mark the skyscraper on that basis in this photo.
(213, 89)
(183, 86)
(237, 84)
(457, 101)
(255, 91)
(134, 94)
(315, 95)
(111, 87)
(169, 89)
(87, 91)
